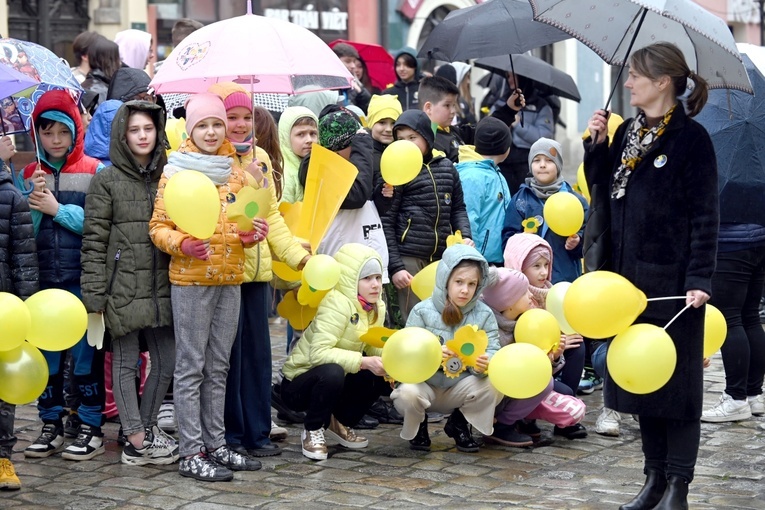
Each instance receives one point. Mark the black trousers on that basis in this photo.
(325, 390)
(670, 446)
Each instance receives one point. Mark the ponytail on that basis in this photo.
(452, 315)
(698, 96)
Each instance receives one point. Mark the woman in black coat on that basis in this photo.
(661, 182)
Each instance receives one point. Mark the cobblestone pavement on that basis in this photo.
(593, 473)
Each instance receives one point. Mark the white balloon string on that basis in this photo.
(678, 315)
(666, 298)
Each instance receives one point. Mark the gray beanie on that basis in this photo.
(549, 148)
(370, 267)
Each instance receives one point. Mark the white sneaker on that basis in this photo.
(727, 409)
(608, 423)
(166, 418)
(277, 433)
(757, 404)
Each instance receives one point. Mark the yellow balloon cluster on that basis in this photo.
(58, 319)
(602, 304)
(424, 282)
(538, 327)
(642, 358)
(15, 320)
(400, 163)
(520, 370)
(412, 355)
(24, 374)
(564, 213)
(193, 203)
(715, 330)
(554, 305)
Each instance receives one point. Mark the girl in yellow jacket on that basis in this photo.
(327, 374)
(248, 389)
(205, 277)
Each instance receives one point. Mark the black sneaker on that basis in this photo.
(156, 450)
(121, 438)
(367, 423)
(200, 467)
(51, 441)
(385, 412)
(508, 435)
(283, 412)
(72, 424)
(573, 432)
(232, 460)
(89, 443)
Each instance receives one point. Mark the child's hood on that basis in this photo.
(352, 258)
(121, 154)
(418, 121)
(127, 83)
(451, 258)
(61, 105)
(407, 50)
(287, 120)
(518, 248)
(98, 137)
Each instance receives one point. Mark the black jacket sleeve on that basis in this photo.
(361, 156)
(23, 259)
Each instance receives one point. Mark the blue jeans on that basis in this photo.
(598, 357)
(736, 290)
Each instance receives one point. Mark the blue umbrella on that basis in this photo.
(736, 122)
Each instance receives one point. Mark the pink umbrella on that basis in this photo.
(265, 55)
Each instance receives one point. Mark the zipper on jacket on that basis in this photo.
(485, 241)
(438, 213)
(54, 230)
(154, 293)
(114, 272)
(406, 230)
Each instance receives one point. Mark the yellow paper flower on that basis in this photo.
(453, 239)
(376, 337)
(468, 344)
(248, 204)
(299, 316)
(531, 225)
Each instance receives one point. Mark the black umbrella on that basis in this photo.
(556, 81)
(496, 27)
(736, 122)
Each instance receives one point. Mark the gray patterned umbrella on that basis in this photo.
(613, 29)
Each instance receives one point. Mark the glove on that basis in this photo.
(196, 248)
(258, 234)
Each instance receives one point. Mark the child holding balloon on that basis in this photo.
(526, 212)
(327, 374)
(461, 276)
(508, 298)
(382, 113)
(20, 275)
(205, 277)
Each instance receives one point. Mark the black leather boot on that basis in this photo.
(650, 494)
(676, 496)
(422, 440)
(458, 429)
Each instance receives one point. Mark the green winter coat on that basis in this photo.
(427, 314)
(123, 273)
(333, 336)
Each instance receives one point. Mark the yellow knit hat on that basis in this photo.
(383, 107)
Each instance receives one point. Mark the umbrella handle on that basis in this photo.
(512, 70)
(626, 56)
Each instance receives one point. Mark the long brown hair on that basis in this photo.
(666, 59)
(452, 314)
(268, 140)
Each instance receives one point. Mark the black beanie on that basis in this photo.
(447, 71)
(492, 137)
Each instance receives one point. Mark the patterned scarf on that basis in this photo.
(639, 141)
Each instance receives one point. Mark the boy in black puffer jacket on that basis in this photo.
(423, 212)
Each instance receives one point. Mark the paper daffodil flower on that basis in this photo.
(531, 225)
(376, 337)
(249, 203)
(299, 316)
(468, 344)
(453, 239)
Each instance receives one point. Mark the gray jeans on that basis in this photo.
(406, 298)
(205, 319)
(7, 439)
(125, 355)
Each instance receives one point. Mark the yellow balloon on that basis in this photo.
(412, 355)
(59, 319)
(424, 282)
(24, 373)
(642, 358)
(554, 305)
(581, 181)
(715, 330)
(602, 304)
(564, 213)
(321, 272)
(14, 316)
(175, 130)
(400, 163)
(538, 327)
(520, 370)
(193, 203)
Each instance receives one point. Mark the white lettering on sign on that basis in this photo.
(330, 20)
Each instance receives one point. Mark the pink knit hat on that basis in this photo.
(510, 286)
(237, 99)
(536, 253)
(203, 106)
(519, 249)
